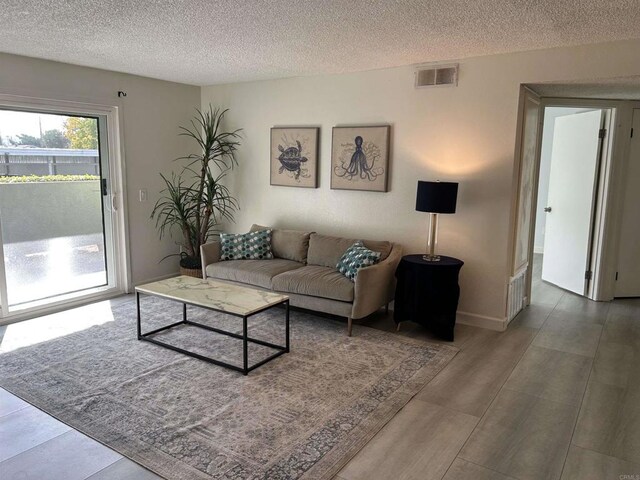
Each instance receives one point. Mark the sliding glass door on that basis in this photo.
(55, 208)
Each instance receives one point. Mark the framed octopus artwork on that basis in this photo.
(294, 156)
(360, 158)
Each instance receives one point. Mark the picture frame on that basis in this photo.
(360, 158)
(294, 156)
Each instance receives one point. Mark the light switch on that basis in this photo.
(143, 195)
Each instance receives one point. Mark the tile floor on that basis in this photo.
(556, 396)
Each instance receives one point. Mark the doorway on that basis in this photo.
(612, 261)
(60, 235)
(571, 159)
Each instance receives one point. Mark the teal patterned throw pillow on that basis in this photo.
(246, 246)
(356, 257)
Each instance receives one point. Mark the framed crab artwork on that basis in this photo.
(360, 158)
(294, 156)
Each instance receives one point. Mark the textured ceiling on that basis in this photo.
(217, 41)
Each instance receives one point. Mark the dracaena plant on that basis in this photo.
(195, 201)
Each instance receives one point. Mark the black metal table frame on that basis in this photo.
(245, 369)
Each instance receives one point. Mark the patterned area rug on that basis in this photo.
(303, 415)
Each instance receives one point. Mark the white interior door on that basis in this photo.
(572, 187)
(628, 277)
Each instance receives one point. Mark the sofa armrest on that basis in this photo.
(209, 253)
(375, 286)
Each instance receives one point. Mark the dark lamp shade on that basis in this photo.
(437, 197)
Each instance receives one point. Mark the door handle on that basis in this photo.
(547, 209)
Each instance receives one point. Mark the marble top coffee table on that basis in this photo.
(222, 297)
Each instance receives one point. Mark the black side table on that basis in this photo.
(427, 293)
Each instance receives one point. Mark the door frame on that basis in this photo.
(519, 268)
(117, 187)
(611, 186)
(622, 185)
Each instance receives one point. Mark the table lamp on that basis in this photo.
(435, 198)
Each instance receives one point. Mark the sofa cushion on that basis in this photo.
(251, 272)
(248, 246)
(289, 244)
(327, 251)
(356, 257)
(315, 280)
(381, 246)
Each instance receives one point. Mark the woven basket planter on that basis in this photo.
(191, 272)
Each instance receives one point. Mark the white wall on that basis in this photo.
(151, 114)
(550, 115)
(465, 134)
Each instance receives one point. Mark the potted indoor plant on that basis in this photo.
(195, 201)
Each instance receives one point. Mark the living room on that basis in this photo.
(514, 395)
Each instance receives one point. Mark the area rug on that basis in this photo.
(303, 415)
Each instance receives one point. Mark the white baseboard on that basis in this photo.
(474, 320)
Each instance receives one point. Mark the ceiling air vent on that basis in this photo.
(437, 76)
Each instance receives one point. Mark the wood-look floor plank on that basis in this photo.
(544, 293)
(600, 422)
(9, 403)
(25, 429)
(532, 316)
(609, 420)
(578, 318)
(615, 364)
(564, 332)
(472, 379)
(622, 329)
(625, 306)
(551, 374)
(70, 456)
(585, 464)
(124, 469)
(572, 303)
(523, 436)
(419, 443)
(464, 470)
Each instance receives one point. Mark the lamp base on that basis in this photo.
(431, 256)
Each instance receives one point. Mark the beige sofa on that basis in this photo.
(304, 268)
